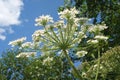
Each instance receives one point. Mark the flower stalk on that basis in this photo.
(72, 65)
(98, 67)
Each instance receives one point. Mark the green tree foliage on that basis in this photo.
(2, 76)
(11, 67)
(109, 66)
(48, 70)
(111, 63)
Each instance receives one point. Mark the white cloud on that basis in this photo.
(10, 11)
(2, 37)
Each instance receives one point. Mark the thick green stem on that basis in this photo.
(72, 65)
(98, 64)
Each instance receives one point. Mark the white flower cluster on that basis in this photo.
(68, 14)
(79, 37)
(26, 45)
(59, 23)
(69, 33)
(43, 20)
(17, 42)
(87, 27)
(96, 31)
(96, 28)
(81, 53)
(47, 60)
(100, 37)
(92, 41)
(37, 35)
(26, 54)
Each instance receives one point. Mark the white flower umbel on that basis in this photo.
(26, 54)
(102, 27)
(81, 53)
(97, 28)
(92, 41)
(76, 22)
(48, 60)
(37, 35)
(26, 45)
(17, 42)
(68, 14)
(59, 23)
(100, 37)
(43, 20)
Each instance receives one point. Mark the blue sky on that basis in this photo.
(17, 18)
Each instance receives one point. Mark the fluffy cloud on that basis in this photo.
(2, 37)
(10, 11)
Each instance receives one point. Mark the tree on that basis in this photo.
(109, 67)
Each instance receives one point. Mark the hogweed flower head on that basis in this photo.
(68, 14)
(97, 28)
(43, 20)
(37, 35)
(26, 45)
(76, 22)
(92, 41)
(64, 34)
(101, 37)
(26, 54)
(17, 42)
(81, 53)
(59, 23)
